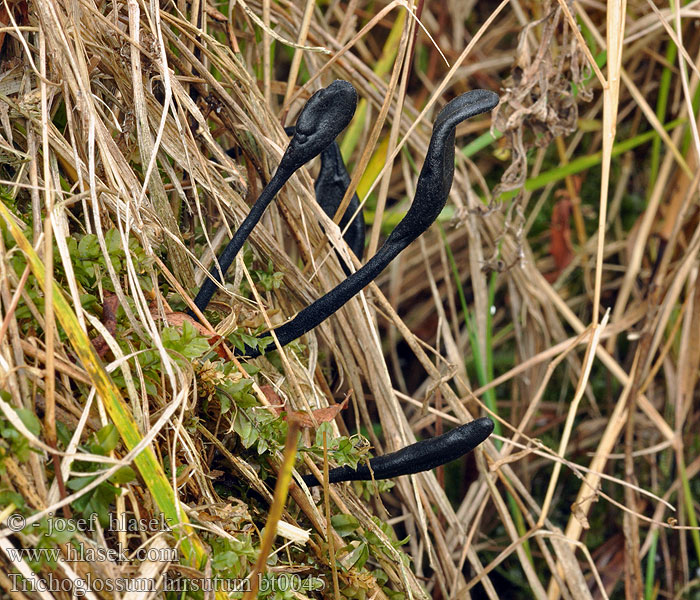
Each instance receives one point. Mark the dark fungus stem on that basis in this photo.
(226, 258)
(323, 117)
(330, 187)
(416, 458)
(432, 189)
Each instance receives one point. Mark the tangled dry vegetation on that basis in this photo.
(144, 130)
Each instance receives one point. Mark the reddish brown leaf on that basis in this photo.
(305, 419)
(109, 320)
(20, 12)
(273, 398)
(609, 559)
(560, 246)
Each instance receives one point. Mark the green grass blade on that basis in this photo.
(651, 567)
(661, 105)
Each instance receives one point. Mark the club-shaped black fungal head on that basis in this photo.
(323, 117)
(432, 189)
(330, 187)
(435, 179)
(416, 458)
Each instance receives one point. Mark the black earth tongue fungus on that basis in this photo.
(330, 187)
(323, 117)
(416, 458)
(432, 189)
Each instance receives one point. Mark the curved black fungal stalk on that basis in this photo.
(330, 186)
(432, 189)
(323, 117)
(416, 458)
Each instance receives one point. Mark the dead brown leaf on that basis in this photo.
(305, 419)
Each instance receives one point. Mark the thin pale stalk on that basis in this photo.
(298, 53)
(267, 85)
(49, 320)
(569, 425)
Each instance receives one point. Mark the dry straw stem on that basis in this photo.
(615, 28)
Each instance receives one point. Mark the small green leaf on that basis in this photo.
(88, 247)
(8, 497)
(357, 557)
(244, 428)
(123, 475)
(113, 241)
(107, 438)
(29, 419)
(344, 524)
(79, 483)
(225, 561)
(250, 369)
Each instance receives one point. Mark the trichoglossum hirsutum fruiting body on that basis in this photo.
(323, 117)
(330, 187)
(432, 189)
(415, 458)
